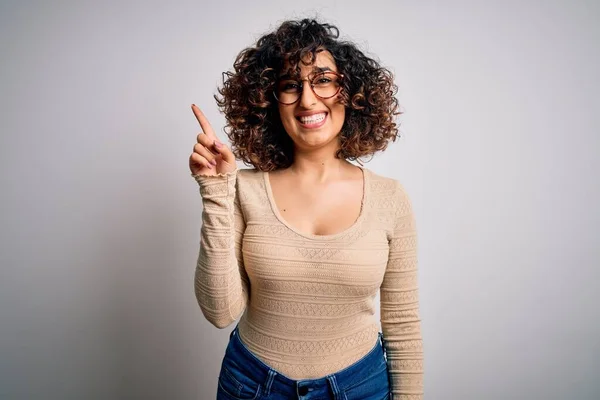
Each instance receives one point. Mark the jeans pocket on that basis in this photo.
(235, 385)
(376, 387)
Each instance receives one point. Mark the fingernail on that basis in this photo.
(218, 144)
(213, 162)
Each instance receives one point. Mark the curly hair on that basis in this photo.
(251, 111)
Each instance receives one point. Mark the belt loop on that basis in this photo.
(233, 331)
(337, 394)
(383, 343)
(269, 382)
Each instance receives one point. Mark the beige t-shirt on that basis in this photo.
(307, 301)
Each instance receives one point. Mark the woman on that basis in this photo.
(299, 245)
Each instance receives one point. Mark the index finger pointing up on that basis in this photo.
(204, 124)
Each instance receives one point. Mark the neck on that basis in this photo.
(318, 165)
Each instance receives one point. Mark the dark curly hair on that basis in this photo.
(251, 111)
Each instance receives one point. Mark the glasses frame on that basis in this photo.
(310, 84)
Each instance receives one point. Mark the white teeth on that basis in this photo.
(312, 119)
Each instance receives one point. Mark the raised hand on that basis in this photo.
(210, 157)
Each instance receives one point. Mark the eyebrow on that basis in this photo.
(314, 70)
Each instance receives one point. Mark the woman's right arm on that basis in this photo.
(221, 283)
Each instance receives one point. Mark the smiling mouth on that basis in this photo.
(312, 121)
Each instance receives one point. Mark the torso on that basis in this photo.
(318, 209)
(312, 286)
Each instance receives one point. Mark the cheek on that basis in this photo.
(339, 111)
(287, 120)
(286, 113)
(337, 104)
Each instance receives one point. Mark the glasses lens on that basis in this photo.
(288, 91)
(324, 85)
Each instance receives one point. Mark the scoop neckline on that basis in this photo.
(357, 222)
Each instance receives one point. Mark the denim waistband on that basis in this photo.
(337, 382)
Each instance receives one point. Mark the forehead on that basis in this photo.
(323, 60)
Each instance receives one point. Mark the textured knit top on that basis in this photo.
(306, 301)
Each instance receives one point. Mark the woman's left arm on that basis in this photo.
(400, 319)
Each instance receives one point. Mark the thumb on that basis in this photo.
(225, 152)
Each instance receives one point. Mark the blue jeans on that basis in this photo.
(245, 377)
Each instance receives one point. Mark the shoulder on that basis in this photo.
(393, 205)
(389, 196)
(248, 175)
(386, 187)
(250, 185)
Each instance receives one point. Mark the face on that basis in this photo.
(313, 122)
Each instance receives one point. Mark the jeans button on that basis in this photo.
(302, 390)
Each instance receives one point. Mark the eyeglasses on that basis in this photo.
(324, 85)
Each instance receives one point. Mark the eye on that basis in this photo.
(289, 86)
(322, 80)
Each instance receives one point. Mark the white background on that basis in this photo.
(100, 219)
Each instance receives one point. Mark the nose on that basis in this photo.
(307, 97)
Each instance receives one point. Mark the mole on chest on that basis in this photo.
(324, 218)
